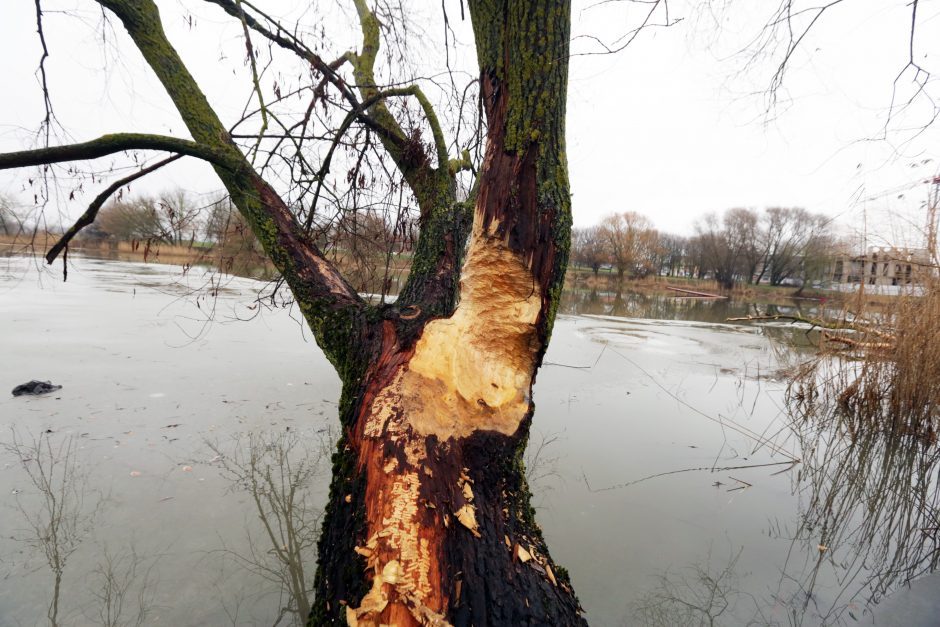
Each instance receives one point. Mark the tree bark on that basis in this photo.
(429, 520)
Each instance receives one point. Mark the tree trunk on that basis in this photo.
(429, 520)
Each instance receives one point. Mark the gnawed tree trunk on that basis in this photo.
(429, 500)
(429, 520)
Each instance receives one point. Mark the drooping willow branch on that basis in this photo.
(91, 213)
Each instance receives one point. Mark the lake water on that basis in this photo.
(665, 482)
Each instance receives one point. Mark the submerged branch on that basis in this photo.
(815, 322)
(789, 464)
(850, 343)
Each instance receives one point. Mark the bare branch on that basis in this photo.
(111, 144)
(316, 283)
(47, 101)
(794, 40)
(285, 40)
(627, 38)
(320, 176)
(254, 75)
(414, 167)
(92, 212)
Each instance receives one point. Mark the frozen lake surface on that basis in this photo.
(664, 474)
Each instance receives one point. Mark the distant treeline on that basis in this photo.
(365, 241)
(776, 246)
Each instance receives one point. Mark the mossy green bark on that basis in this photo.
(114, 143)
(433, 277)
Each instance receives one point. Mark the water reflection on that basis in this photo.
(112, 584)
(699, 595)
(869, 511)
(867, 522)
(627, 304)
(276, 470)
(58, 509)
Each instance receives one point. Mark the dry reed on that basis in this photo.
(880, 371)
(880, 367)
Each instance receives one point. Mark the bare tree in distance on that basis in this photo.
(673, 254)
(180, 217)
(234, 246)
(172, 218)
(11, 223)
(366, 245)
(789, 235)
(630, 240)
(589, 247)
(723, 244)
(779, 244)
(131, 219)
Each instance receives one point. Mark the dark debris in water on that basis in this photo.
(35, 388)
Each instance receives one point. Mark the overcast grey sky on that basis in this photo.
(672, 127)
